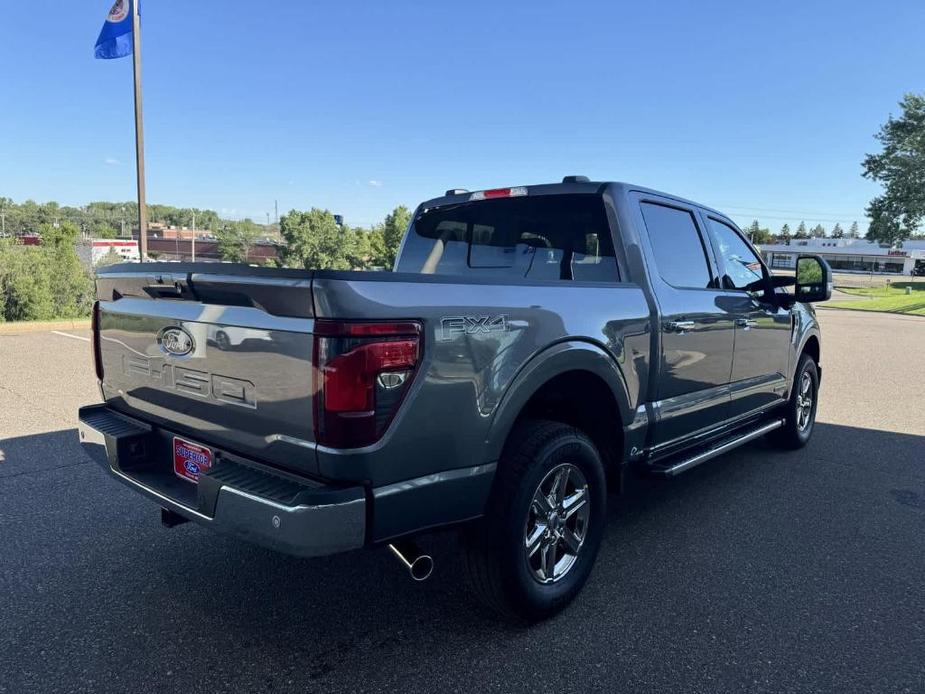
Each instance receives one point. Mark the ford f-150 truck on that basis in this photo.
(533, 346)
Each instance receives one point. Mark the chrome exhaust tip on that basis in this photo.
(419, 565)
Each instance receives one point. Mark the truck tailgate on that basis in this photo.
(222, 357)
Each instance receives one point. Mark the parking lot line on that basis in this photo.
(74, 337)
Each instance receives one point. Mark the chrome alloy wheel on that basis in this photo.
(804, 402)
(557, 523)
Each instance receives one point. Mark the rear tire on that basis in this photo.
(534, 549)
(801, 408)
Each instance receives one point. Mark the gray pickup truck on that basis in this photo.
(533, 346)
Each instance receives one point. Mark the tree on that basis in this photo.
(378, 253)
(103, 230)
(235, 240)
(837, 231)
(111, 258)
(818, 232)
(853, 232)
(757, 234)
(801, 232)
(71, 283)
(393, 230)
(46, 281)
(314, 240)
(785, 234)
(64, 235)
(900, 167)
(359, 247)
(25, 283)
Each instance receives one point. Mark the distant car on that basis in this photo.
(228, 336)
(918, 271)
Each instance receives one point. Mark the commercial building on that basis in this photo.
(97, 249)
(182, 233)
(849, 255)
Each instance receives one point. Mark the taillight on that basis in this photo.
(97, 355)
(362, 372)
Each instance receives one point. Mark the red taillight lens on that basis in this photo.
(362, 372)
(95, 341)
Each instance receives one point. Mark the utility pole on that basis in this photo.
(193, 241)
(276, 211)
(139, 132)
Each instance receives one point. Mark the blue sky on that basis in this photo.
(760, 109)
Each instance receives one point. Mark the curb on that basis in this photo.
(870, 310)
(43, 326)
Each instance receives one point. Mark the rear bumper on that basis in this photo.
(242, 498)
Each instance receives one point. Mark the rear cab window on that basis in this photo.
(563, 237)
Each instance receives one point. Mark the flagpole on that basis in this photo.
(139, 133)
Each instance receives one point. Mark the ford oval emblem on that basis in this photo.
(175, 341)
(191, 467)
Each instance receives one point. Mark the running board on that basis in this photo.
(723, 447)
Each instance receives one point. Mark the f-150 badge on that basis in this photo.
(453, 326)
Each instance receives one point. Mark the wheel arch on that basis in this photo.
(811, 343)
(812, 347)
(577, 383)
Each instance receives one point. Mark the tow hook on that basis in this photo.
(169, 519)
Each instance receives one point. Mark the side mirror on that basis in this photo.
(814, 279)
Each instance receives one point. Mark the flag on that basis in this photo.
(116, 40)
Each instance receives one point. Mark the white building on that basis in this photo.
(127, 249)
(849, 255)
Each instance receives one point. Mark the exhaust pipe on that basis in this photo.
(419, 565)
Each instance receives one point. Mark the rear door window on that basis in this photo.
(680, 256)
(548, 237)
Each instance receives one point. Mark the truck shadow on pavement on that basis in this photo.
(760, 536)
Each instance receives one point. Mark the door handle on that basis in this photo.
(679, 326)
(746, 323)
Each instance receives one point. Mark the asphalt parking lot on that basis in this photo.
(758, 572)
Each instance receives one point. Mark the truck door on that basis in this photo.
(762, 329)
(691, 385)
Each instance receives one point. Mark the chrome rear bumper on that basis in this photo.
(247, 500)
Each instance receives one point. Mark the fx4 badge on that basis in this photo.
(452, 326)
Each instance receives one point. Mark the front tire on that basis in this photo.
(801, 408)
(534, 549)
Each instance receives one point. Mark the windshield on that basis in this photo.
(547, 237)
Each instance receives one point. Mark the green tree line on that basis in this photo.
(100, 219)
(763, 235)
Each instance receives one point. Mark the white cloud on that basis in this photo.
(375, 184)
(112, 161)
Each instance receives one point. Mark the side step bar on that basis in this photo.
(722, 447)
